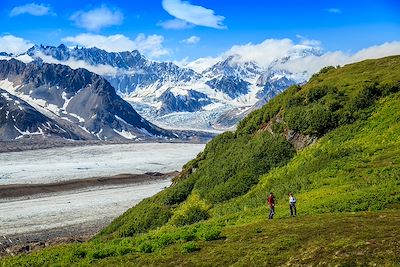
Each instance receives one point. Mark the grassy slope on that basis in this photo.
(346, 240)
(355, 167)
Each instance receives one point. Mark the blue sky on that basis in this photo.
(175, 29)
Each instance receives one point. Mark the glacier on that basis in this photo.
(67, 163)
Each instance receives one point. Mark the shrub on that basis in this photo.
(277, 127)
(295, 101)
(316, 93)
(187, 235)
(296, 118)
(365, 98)
(314, 119)
(194, 210)
(321, 120)
(209, 232)
(389, 87)
(144, 218)
(190, 247)
(77, 253)
(322, 71)
(101, 253)
(178, 192)
(192, 215)
(147, 247)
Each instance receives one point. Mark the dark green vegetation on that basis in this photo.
(347, 184)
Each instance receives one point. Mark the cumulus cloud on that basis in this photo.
(111, 43)
(377, 51)
(14, 45)
(307, 56)
(313, 63)
(31, 9)
(98, 18)
(193, 14)
(151, 45)
(175, 24)
(191, 40)
(263, 53)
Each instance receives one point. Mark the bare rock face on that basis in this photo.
(299, 141)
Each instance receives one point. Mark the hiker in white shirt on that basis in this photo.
(292, 205)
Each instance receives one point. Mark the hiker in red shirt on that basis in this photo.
(271, 203)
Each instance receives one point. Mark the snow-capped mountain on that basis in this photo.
(171, 96)
(190, 101)
(126, 71)
(51, 99)
(19, 119)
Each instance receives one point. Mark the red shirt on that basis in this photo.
(271, 200)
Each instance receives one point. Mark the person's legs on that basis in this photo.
(291, 209)
(271, 212)
(295, 210)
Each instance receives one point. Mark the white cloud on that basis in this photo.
(111, 43)
(197, 15)
(14, 45)
(182, 62)
(31, 9)
(151, 45)
(301, 54)
(313, 64)
(309, 42)
(334, 10)
(175, 24)
(99, 69)
(263, 53)
(201, 64)
(97, 18)
(377, 51)
(191, 40)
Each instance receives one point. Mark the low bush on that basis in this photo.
(147, 247)
(143, 219)
(209, 232)
(190, 247)
(194, 210)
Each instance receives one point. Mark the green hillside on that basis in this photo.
(334, 142)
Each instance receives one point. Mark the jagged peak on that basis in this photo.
(62, 46)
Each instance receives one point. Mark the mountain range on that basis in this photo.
(195, 96)
(56, 101)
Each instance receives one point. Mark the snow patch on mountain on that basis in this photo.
(125, 134)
